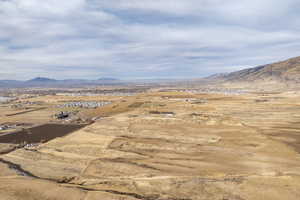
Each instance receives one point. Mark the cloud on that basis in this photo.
(143, 38)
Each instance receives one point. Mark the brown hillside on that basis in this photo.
(288, 70)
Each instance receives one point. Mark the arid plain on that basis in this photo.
(160, 145)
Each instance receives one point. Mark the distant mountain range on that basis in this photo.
(281, 73)
(47, 82)
(41, 79)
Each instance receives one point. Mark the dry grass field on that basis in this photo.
(163, 146)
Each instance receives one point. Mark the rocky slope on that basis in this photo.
(285, 73)
(288, 70)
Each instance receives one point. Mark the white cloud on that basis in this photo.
(83, 38)
(230, 9)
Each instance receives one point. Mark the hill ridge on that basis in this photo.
(282, 71)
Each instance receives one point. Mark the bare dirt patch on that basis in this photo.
(40, 134)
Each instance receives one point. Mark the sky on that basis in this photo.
(133, 39)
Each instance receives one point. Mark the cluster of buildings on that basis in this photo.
(62, 115)
(30, 146)
(6, 127)
(22, 104)
(96, 94)
(224, 91)
(6, 99)
(87, 104)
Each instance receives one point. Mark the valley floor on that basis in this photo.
(168, 146)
